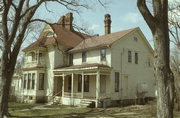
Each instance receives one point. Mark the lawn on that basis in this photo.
(59, 111)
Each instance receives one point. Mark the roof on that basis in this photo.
(64, 37)
(100, 41)
(97, 65)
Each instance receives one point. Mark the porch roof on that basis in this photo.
(82, 67)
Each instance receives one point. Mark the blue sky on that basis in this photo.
(124, 15)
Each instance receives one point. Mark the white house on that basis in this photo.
(73, 68)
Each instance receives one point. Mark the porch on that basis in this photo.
(77, 84)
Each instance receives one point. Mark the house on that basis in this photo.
(73, 68)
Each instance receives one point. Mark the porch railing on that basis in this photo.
(75, 95)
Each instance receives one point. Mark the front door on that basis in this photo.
(58, 86)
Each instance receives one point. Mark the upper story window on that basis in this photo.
(31, 57)
(84, 56)
(103, 54)
(136, 58)
(40, 56)
(70, 59)
(129, 56)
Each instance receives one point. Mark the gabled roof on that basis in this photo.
(67, 38)
(101, 41)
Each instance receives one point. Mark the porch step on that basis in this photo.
(86, 103)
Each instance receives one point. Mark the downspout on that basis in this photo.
(122, 72)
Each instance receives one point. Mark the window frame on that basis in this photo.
(29, 81)
(70, 59)
(86, 83)
(69, 83)
(25, 81)
(41, 81)
(79, 83)
(103, 54)
(33, 81)
(117, 75)
(129, 56)
(136, 58)
(84, 56)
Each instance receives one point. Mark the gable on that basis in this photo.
(128, 42)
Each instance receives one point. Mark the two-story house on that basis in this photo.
(73, 68)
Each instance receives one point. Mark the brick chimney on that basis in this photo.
(62, 21)
(107, 23)
(68, 21)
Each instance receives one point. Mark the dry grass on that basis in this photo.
(55, 111)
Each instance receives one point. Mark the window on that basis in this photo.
(79, 83)
(69, 83)
(40, 56)
(33, 56)
(86, 83)
(41, 81)
(25, 75)
(136, 58)
(103, 54)
(129, 56)
(29, 81)
(116, 81)
(70, 59)
(33, 80)
(84, 56)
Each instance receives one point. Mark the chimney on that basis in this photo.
(107, 23)
(62, 21)
(68, 21)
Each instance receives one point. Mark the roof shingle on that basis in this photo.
(100, 41)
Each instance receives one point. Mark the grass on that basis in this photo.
(19, 106)
(49, 112)
(61, 111)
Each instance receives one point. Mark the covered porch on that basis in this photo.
(76, 84)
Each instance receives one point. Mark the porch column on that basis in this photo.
(97, 87)
(63, 85)
(82, 87)
(72, 82)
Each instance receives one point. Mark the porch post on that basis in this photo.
(82, 87)
(97, 87)
(63, 85)
(72, 82)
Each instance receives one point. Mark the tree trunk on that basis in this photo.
(164, 76)
(4, 97)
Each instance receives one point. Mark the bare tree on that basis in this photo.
(174, 29)
(174, 23)
(158, 23)
(14, 30)
(175, 66)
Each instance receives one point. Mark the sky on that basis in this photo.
(124, 15)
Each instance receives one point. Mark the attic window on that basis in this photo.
(49, 34)
(135, 39)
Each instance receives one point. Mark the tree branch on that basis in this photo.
(149, 18)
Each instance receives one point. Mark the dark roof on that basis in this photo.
(100, 41)
(83, 66)
(67, 38)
